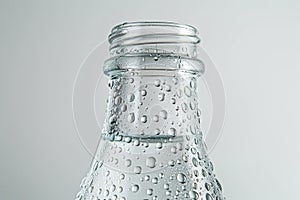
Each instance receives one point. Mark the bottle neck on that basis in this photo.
(152, 104)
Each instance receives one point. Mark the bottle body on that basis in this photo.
(151, 146)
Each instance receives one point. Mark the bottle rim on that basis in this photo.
(132, 42)
(147, 32)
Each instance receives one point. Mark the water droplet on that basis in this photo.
(150, 192)
(161, 96)
(157, 131)
(179, 93)
(131, 117)
(181, 178)
(147, 178)
(172, 132)
(155, 180)
(163, 114)
(150, 162)
(113, 119)
(219, 184)
(159, 145)
(173, 149)
(157, 83)
(111, 84)
(166, 186)
(136, 142)
(193, 129)
(207, 186)
(192, 105)
(155, 118)
(193, 150)
(143, 92)
(208, 197)
(106, 193)
(107, 173)
(128, 139)
(171, 163)
(112, 188)
(187, 91)
(175, 80)
(135, 188)
(118, 100)
(130, 97)
(192, 83)
(128, 163)
(193, 194)
(144, 119)
(195, 162)
(124, 108)
(173, 100)
(131, 80)
(184, 107)
(120, 189)
(96, 165)
(155, 58)
(137, 170)
(168, 88)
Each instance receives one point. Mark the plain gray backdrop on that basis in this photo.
(255, 45)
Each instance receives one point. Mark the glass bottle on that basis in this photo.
(151, 146)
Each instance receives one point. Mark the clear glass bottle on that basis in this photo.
(151, 146)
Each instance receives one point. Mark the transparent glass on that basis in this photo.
(151, 146)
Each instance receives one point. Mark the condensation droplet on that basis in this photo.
(155, 118)
(131, 97)
(173, 100)
(208, 197)
(161, 96)
(135, 188)
(137, 170)
(131, 117)
(193, 194)
(172, 132)
(143, 92)
(159, 145)
(187, 91)
(128, 163)
(151, 162)
(181, 178)
(195, 162)
(157, 83)
(124, 108)
(163, 114)
(118, 100)
(168, 88)
(166, 186)
(112, 119)
(184, 107)
(155, 180)
(150, 192)
(144, 119)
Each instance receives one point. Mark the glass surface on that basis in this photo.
(151, 146)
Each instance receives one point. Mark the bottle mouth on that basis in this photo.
(132, 43)
(141, 33)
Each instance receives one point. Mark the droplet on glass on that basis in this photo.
(135, 188)
(150, 162)
(137, 170)
(144, 119)
(181, 178)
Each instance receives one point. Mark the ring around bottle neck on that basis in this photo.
(166, 46)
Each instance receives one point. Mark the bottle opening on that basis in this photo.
(153, 45)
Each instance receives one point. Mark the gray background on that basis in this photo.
(255, 45)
